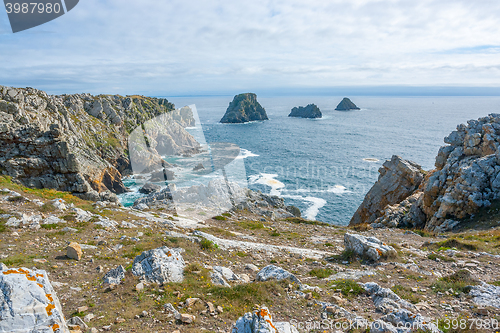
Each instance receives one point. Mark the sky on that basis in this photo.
(193, 47)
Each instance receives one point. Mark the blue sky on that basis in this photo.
(195, 47)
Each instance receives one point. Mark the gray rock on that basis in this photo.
(218, 280)
(77, 321)
(310, 111)
(346, 105)
(406, 319)
(149, 188)
(272, 272)
(161, 265)
(115, 276)
(385, 299)
(486, 295)
(397, 180)
(227, 273)
(367, 247)
(28, 303)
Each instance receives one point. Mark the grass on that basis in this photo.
(361, 227)
(17, 260)
(348, 288)
(274, 233)
(134, 252)
(47, 208)
(453, 243)
(424, 233)
(459, 281)
(15, 199)
(242, 254)
(321, 273)
(406, 293)
(329, 245)
(206, 244)
(251, 225)
(2, 225)
(217, 231)
(220, 218)
(299, 220)
(52, 226)
(226, 214)
(496, 283)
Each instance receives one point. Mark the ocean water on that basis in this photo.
(326, 166)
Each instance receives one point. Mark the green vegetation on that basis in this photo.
(321, 273)
(406, 293)
(459, 282)
(434, 256)
(219, 218)
(17, 260)
(251, 225)
(226, 214)
(206, 244)
(242, 254)
(300, 220)
(2, 225)
(496, 283)
(329, 245)
(51, 226)
(453, 244)
(348, 288)
(47, 208)
(136, 250)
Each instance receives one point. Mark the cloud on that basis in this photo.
(183, 47)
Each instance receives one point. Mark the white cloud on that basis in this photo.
(171, 47)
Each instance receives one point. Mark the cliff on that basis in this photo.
(466, 180)
(75, 143)
(244, 108)
(310, 111)
(346, 105)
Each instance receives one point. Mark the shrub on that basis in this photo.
(300, 220)
(348, 288)
(406, 293)
(251, 225)
(321, 273)
(206, 244)
(220, 218)
(459, 281)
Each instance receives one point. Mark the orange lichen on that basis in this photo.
(379, 252)
(264, 313)
(55, 327)
(49, 297)
(20, 271)
(39, 275)
(49, 309)
(40, 285)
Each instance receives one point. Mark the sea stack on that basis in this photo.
(346, 105)
(310, 111)
(244, 108)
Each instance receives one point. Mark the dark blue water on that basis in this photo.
(326, 166)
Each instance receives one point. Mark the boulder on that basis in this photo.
(346, 105)
(218, 280)
(115, 276)
(486, 295)
(74, 251)
(161, 265)
(244, 108)
(310, 111)
(367, 247)
(397, 180)
(385, 300)
(227, 273)
(261, 321)
(149, 188)
(272, 272)
(28, 303)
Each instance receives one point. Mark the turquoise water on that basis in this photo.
(326, 166)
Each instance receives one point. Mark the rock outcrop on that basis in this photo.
(161, 265)
(346, 105)
(28, 303)
(272, 272)
(77, 143)
(466, 179)
(310, 111)
(397, 180)
(244, 108)
(367, 247)
(261, 321)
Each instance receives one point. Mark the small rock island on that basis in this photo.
(310, 111)
(346, 105)
(244, 108)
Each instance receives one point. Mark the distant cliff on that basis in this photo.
(310, 111)
(346, 105)
(75, 143)
(244, 108)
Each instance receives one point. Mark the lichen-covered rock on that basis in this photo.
(28, 303)
(368, 247)
(310, 111)
(346, 104)
(272, 272)
(406, 214)
(261, 321)
(115, 276)
(161, 265)
(244, 108)
(407, 321)
(218, 279)
(398, 179)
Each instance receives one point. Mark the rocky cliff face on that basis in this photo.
(74, 143)
(310, 111)
(244, 108)
(346, 105)
(466, 179)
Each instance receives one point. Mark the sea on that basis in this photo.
(326, 166)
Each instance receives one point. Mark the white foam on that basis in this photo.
(268, 180)
(313, 210)
(244, 153)
(337, 189)
(370, 159)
